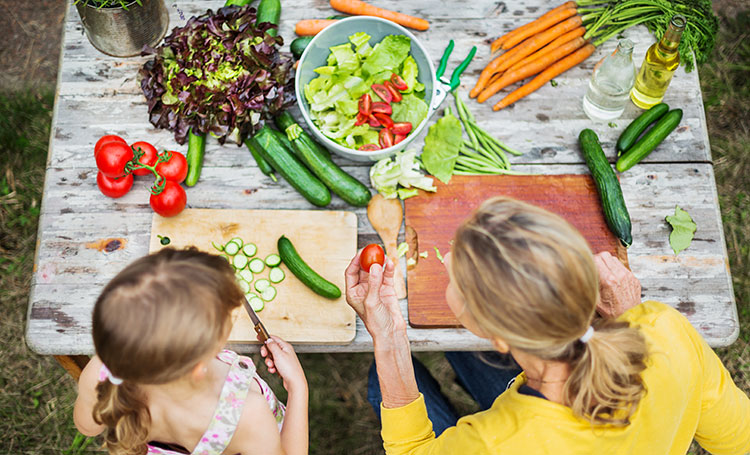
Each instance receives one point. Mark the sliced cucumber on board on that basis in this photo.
(240, 261)
(268, 293)
(256, 303)
(249, 250)
(256, 265)
(262, 284)
(272, 260)
(276, 275)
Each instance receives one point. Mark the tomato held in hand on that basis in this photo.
(170, 201)
(371, 254)
(175, 169)
(148, 158)
(114, 187)
(106, 139)
(112, 158)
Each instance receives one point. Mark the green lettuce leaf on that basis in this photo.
(410, 109)
(683, 229)
(442, 145)
(388, 54)
(409, 73)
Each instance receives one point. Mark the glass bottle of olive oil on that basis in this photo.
(660, 63)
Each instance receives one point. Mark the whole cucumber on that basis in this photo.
(301, 270)
(263, 165)
(270, 11)
(615, 212)
(638, 126)
(650, 140)
(283, 160)
(196, 150)
(299, 44)
(344, 185)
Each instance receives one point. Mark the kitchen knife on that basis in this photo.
(260, 329)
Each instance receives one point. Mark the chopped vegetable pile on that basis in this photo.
(401, 169)
(219, 74)
(362, 88)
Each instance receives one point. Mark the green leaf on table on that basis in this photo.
(442, 145)
(683, 229)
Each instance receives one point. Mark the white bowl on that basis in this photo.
(317, 52)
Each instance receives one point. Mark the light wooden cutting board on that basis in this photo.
(326, 240)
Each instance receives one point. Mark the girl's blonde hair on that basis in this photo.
(152, 324)
(528, 277)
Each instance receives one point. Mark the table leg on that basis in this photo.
(73, 364)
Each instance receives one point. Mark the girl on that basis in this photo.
(639, 380)
(161, 383)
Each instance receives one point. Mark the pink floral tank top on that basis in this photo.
(229, 408)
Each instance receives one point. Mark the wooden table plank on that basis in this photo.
(98, 94)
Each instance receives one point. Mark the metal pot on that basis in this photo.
(122, 32)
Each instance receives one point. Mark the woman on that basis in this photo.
(639, 380)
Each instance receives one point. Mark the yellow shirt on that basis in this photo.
(689, 394)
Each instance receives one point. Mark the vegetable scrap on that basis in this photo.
(683, 229)
(438, 255)
(401, 169)
(402, 249)
(222, 73)
(163, 239)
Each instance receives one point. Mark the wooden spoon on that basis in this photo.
(385, 216)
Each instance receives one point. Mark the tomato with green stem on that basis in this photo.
(174, 168)
(148, 158)
(113, 158)
(371, 254)
(170, 200)
(114, 188)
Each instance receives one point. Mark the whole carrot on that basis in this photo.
(535, 42)
(498, 42)
(550, 47)
(364, 9)
(509, 77)
(539, 26)
(311, 27)
(556, 68)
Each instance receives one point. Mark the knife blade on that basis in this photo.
(260, 329)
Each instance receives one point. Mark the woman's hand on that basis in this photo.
(619, 289)
(283, 360)
(373, 297)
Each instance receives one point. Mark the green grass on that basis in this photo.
(37, 395)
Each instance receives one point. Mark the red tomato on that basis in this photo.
(114, 187)
(361, 119)
(382, 92)
(175, 169)
(383, 108)
(106, 139)
(372, 254)
(401, 128)
(395, 94)
(170, 201)
(398, 82)
(384, 120)
(385, 138)
(148, 158)
(365, 105)
(368, 148)
(112, 158)
(373, 122)
(398, 138)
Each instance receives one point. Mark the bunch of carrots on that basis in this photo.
(310, 27)
(557, 41)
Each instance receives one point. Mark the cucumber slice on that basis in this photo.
(238, 241)
(246, 275)
(218, 247)
(256, 303)
(272, 260)
(244, 285)
(256, 265)
(231, 248)
(262, 284)
(239, 261)
(268, 293)
(249, 250)
(276, 275)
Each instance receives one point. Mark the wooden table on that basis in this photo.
(97, 95)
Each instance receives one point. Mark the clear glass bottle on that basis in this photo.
(660, 63)
(610, 84)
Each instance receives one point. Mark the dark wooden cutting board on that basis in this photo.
(436, 216)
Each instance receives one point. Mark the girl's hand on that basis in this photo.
(619, 289)
(284, 362)
(373, 297)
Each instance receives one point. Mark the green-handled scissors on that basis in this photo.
(442, 86)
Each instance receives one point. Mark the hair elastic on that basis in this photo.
(587, 336)
(105, 374)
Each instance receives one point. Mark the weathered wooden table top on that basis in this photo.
(97, 95)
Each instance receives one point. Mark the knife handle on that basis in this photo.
(263, 335)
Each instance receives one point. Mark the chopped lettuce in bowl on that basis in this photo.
(350, 71)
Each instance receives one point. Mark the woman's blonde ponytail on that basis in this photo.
(605, 385)
(122, 409)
